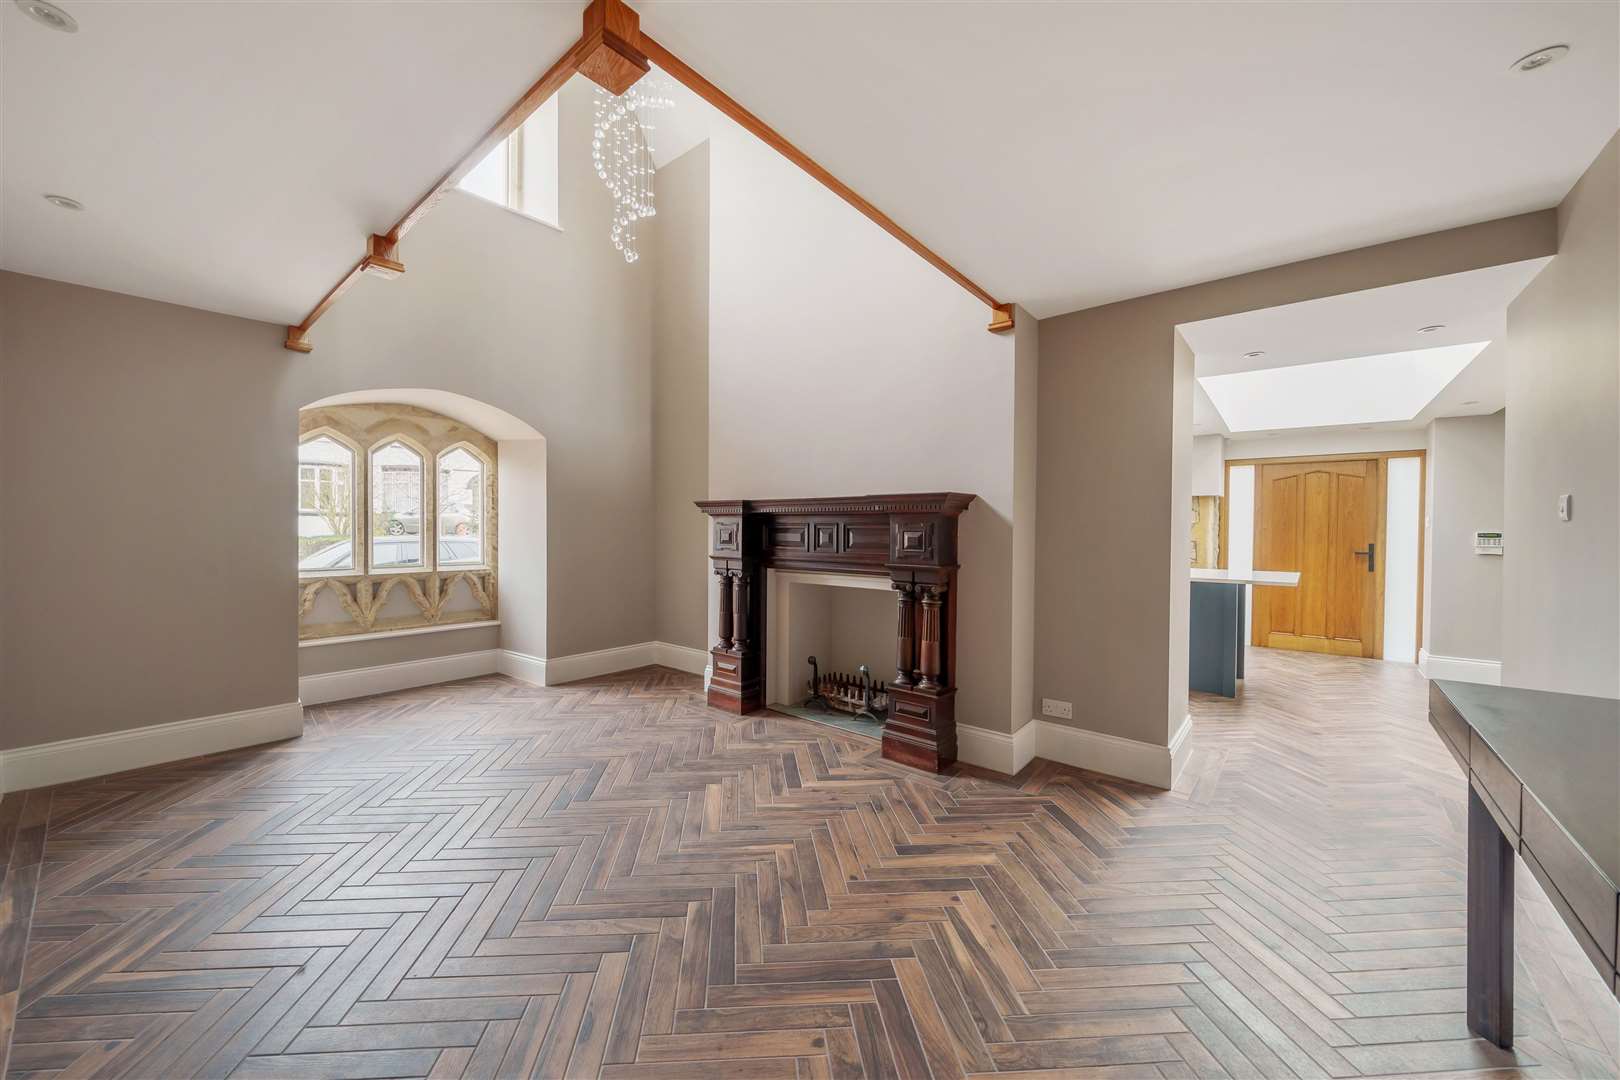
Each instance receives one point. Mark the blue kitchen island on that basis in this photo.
(1217, 623)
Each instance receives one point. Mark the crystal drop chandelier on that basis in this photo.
(623, 156)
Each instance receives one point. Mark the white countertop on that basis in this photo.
(1286, 578)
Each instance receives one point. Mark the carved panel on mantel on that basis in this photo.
(911, 539)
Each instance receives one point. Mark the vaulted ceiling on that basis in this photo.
(233, 156)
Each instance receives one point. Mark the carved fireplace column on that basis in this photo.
(739, 610)
(905, 649)
(725, 609)
(928, 658)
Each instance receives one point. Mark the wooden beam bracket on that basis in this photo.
(382, 258)
(1001, 318)
(611, 46)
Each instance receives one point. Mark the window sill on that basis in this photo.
(309, 577)
(509, 209)
(321, 575)
(344, 639)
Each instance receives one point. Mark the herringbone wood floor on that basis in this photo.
(490, 879)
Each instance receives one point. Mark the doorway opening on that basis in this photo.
(1352, 445)
(1352, 528)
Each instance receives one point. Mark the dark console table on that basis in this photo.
(1543, 780)
(910, 539)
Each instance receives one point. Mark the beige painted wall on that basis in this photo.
(145, 575)
(1561, 585)
(1462, 602)
(841, 364)
(1026, 411)
(152, 609)
(678, 256)
(1114, 431)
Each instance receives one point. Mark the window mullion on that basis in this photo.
(514, 170)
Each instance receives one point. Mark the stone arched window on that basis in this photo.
(396, 521)
(328, 503)
(461, 491)
(398, 502)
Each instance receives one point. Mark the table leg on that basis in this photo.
(1490, 926)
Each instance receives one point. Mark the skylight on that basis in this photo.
(1359, 390)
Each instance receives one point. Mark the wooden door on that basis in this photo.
(1320, 518)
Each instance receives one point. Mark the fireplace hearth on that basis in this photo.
(908, 539)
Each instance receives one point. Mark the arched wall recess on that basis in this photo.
(398, 566)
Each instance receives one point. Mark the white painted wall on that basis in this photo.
(1208, 465)
(841, 364)
(1240, 535)
(1403, 530)
(677, 254)
(554, 327)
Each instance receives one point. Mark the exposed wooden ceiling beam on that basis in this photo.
(614, 53)
(536, 96)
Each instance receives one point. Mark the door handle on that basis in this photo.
(1372, 556)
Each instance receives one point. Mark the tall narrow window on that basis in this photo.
(461, 508)
(396, 506)
(325, 505)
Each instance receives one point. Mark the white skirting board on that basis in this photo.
(681, 658)
(1459, 668)
(996, 749)
(118, 751)
(530, 669)
(556, 670)
(97, 755)
(542, 671)
(384, 678)
(1145, 763)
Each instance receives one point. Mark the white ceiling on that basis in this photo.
(233, 155)
(1068, 154)
(1369, 325)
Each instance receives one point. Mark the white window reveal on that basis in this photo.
(521, 173)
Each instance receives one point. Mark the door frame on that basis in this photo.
(1382, 457)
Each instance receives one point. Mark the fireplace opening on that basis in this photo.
(831, 642)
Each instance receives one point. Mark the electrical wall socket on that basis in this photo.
(1062, 709)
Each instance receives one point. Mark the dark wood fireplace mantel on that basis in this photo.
(910, 539)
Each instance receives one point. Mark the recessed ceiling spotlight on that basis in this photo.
(1431, 329)
(64, 202)
(1255, 355)
(1540, 58)
(48, 14)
